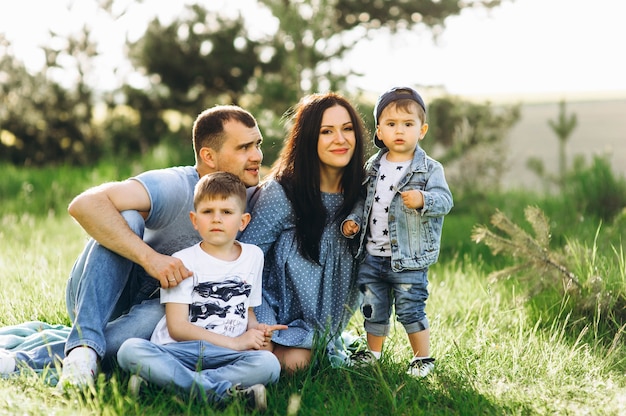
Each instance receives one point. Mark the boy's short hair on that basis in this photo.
(403, 97)
(220, 185)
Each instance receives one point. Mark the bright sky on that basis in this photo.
(529, 46)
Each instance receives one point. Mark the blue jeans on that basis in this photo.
(382, 288)
(197, 367)
(108, 299)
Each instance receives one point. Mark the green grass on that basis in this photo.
(500, 349)
(495, 353)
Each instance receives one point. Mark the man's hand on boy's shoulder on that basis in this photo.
(168, 270)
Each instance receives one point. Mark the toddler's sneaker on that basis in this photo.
(134, 385)
(362, 358)
(7, 363)
(79, 369)
(421, 367)
(255, 396)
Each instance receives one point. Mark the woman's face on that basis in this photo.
(336, 142)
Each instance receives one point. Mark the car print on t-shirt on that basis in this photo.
(219, 300)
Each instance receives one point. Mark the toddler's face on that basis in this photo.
(401, 128)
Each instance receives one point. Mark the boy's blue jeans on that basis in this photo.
(103, 286)
(382, 288)
(198, 367)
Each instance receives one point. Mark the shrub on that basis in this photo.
(595, 190)
(594, 287)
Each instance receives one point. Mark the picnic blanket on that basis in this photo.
(30, 335)
(33, 334)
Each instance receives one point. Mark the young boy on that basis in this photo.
(209, 343)
(407, 197)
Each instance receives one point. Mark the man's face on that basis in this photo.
(241, 152)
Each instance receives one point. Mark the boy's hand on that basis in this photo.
(268, 331)
(350, 228)
(252, 339)
(413, 199)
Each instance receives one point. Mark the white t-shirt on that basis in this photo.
(219, 293)
(389, 176)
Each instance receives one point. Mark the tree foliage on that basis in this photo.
(42, 121)
(198, 59)
(472, 137)
(203, 57)
(563, 127)
(314, 36)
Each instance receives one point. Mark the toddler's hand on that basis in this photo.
(350, 228)
(413, 199)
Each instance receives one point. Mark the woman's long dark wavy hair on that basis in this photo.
(298, 169)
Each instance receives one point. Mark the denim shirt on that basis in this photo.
(414, 234)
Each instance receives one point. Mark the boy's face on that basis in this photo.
(401, 129)
(219, 220)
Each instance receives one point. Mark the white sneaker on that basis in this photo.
(79, 369)
(254, 396)
(362, 359)
(134, 385)
(7, 363)
(421, 367)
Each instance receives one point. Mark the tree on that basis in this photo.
(41, 121)
(197, 60)
(313, 35)
(542, 269)
(468, 138)
(563, 128)
(202, 58)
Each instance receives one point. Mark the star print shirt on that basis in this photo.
(414, 234)
(386, 186)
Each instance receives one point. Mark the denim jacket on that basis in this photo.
(414, 234)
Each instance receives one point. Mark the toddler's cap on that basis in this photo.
(386, 98)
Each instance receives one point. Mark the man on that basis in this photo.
(135, 225)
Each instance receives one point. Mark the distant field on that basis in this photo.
(601, 130)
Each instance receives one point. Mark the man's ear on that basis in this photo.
(245, 220)
(208, 157)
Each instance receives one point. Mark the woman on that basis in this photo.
(309, 274)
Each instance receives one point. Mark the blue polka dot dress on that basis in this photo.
(306, 296)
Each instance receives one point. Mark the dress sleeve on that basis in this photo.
(272, 214)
